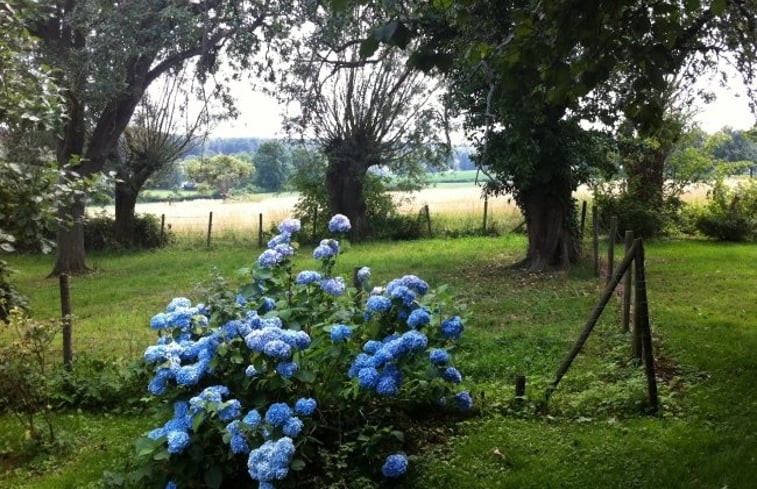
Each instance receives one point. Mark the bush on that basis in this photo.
(731, 213)
(10, 298)
(99, 233)
(297, 372)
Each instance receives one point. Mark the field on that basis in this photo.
(595, 434)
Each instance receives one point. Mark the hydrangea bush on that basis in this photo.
(277, 376)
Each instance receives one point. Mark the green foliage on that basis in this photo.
(10, 298)
(272, 162)
(731, 213)
(218, 172)
(99, 233)
(25, 386)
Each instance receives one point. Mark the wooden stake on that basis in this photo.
(210, 226)
(583, 217)
(65, 311)
(428, 219)
(611, 247)
(627, 285)
(162, 228)
(591, 322)
(486, 209)
(642, 324)
(260, 230)
(595, 225)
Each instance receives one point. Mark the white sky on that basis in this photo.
(261, 115)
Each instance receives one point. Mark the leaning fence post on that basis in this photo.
(486, 209)
(260, 230)
(642, 324)
(627, 285)
(428, 219)
(210, 226)
(65, 310)
(611, 246)
(595, 239)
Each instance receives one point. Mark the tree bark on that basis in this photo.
(70, 238)
(344, 182)
(126, 201)
(553, 237)
(646, 178)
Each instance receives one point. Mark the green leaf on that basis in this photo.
(197, 421)
(718, 7)
(368, 47)
(305, 376)
(297, 464)
(213, 477)
(161, 455)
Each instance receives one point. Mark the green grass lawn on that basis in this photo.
(703, 314)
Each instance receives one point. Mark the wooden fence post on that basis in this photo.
(65, 310)
(583, 218)
(627, 285)
(210, 226)
(260, 230)
(642, 324)
(636, 352)
(520, 386)
(595, 239)
(428, 219)
(592, 321)
(486, 209)
(162, 228)
(611, 247)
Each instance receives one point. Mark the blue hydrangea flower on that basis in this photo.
(394, 466)
(271, 460)
(419, 318)
(278, 414)
(452, 328)
(277, 349)
(308, 277)
(463, 400)
(331, 243)
(171, 485)
(241, 300)
(252, 418)
(323, 252)
(290, 225)
(334, 286)
(282, 238)
(340, 332)
(378, 303)
(238, 444)
(250, 371)
(451, 374)
(269, 259)
(364, 274)
(286, 369)
(339, 224)
(368, 377)
(232, 410)
(293, 427)
(372, 346)
(177, 441)
(401, 292)
(414, 283)
(178, 303)
(268, 304)
(159, 321)
(414, 340)
(387, 386)
(284, 250)
(305, 406)
(438, 356)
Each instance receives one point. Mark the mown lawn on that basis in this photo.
(704, 310)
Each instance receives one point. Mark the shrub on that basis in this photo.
(10, 298)
(297, 372)
(99, 233)
(731, 213)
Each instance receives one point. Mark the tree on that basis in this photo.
(219, 172)
(106, 54)
(528, 72)
(364, 114)
(273, 163)
(162, 132)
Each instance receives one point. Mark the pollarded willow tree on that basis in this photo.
(365, 112)
(106, 54)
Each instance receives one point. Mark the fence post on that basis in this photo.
(642, 324)
(520, 386)
(583, 218)
(595, 239)
(162, 228)
(635, 325)
(210, 226)
(65, 310)
(486, 210)
(611, 247)
(260, 230)
(428, 219)
(627, 284)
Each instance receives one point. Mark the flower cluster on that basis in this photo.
(236, 370)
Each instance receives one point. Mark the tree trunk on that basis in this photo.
(126, 201)
(646, 178)
(553, 237)
(70, 238)
(344, 182)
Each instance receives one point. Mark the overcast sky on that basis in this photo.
(260, 115)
